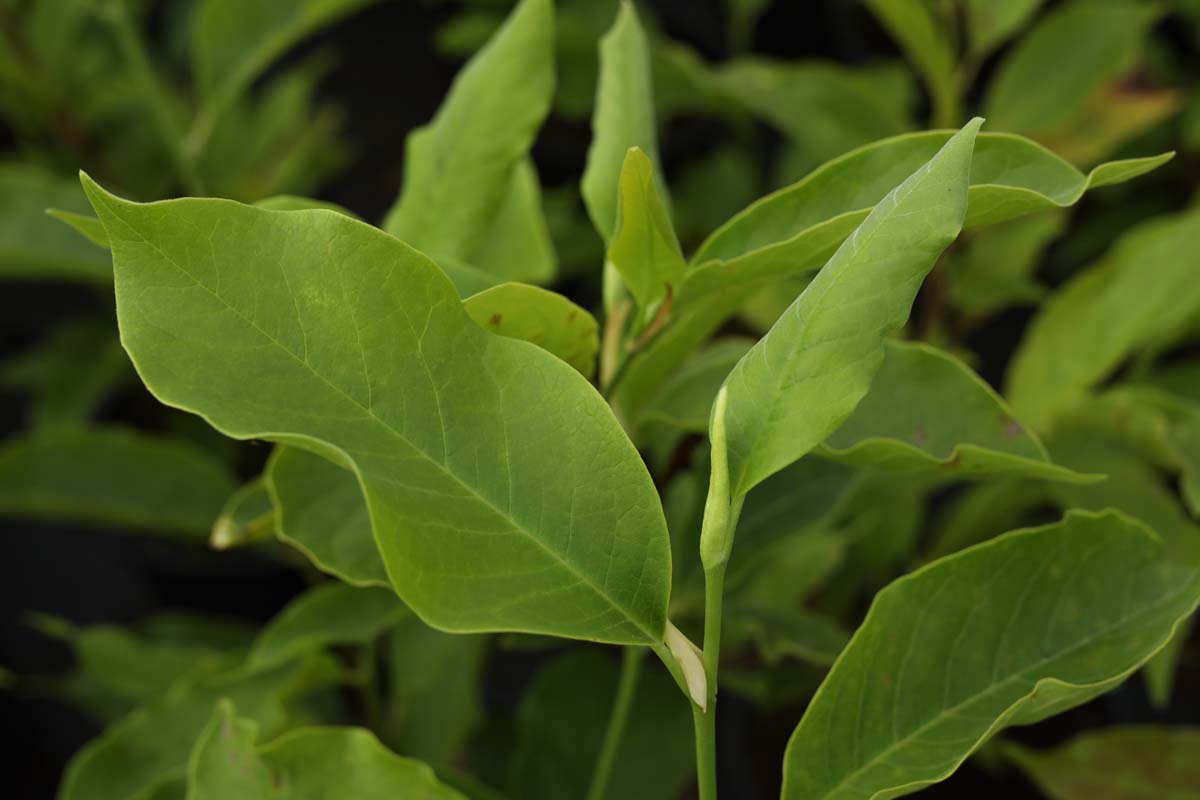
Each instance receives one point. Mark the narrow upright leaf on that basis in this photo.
(644, 249)
(808, 373)
(623, 117)
(359, 349)
(461, 167)
(305, 764)
(1006, 633)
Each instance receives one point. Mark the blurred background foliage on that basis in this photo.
(99, 485)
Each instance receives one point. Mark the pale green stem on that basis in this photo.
(631, 663)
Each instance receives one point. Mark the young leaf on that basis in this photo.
(1099, 317)
(1118, 763)
(332, 613)
(248, 515)
(321, 512)
(560, 728)
(541, 317)
(115, 477)
(460, 169)
(1005, 633)
(305, 764)
(644, 249)
(927, 412)
(808, 373)
(32, 245)
(623, 118)
(358, 348)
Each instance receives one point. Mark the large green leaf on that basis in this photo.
(332, 613)
(926, 411)
(305, 764)
(113, 476)
(1119, 763)
(461, 168)
(320, 511)
(811, 369)
(623, 118)
(36, 247)
(1144, 288)
(1005, 633)
(547, 319)
(358, 348)
(560, 728)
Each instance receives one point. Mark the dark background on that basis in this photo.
(389, 80)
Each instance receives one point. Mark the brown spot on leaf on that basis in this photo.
(571, 316)
(920, 436)
(494, 319)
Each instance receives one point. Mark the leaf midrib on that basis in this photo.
(949, 711)
(517, 527)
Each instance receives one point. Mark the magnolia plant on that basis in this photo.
(466, 453)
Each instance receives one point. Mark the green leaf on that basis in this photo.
(623, 118)
(541, 317)
(359, 349)
(436, 701)
(248, 515)
(560, 727)
(925, 35)
(332, 613)
(149, 748)
(305, 764)
(811, 369)
(1104, 40)
(234, 42)
(114, 477)
(461, 168)
(983, 511)
(996, 268)
(84, 224)
(1125, 762)
(990, 24)
(1005, 633)
(518, 245)
(320, 511)
(32, 245)
(644, 249)
(1103, 314)
(927, 412)
(686, 398)
(786, 633)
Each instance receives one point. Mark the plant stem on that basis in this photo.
(631, 663)
(705, 723)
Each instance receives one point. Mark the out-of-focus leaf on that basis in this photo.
(518, 245)
(996, 268)
(926, 411)
(623, 118)
(70, 374)
(1116, 115)
(327, 614)
(990, 24)
(1118, 763)
(926, 34)
(790, 571)
(435, 701)
(115, 477)
(359, 348)
(32, 245)
(320, 510)
(304, 764)
(644, 248)
(1006, 633)
(710, 189)
(248, 515)
(541, 317)
(780, 632)
(983, 511)
(687, 396)
(148, 749)
(1104, 40)
(800, 381)
(560, 727)
(461, 168)
(1143, 287)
